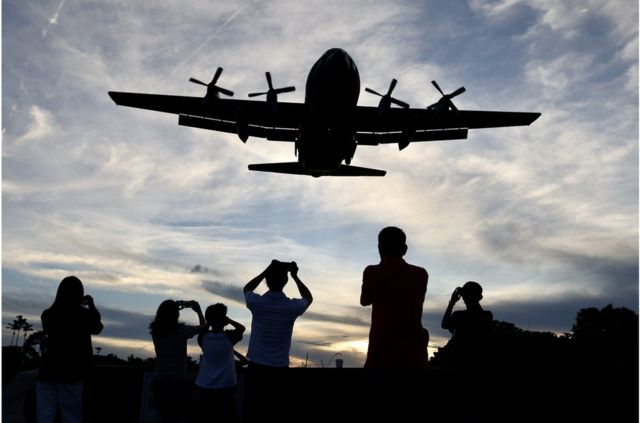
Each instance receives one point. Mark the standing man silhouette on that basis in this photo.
(273, 314)
(470, 327)
(395, 289)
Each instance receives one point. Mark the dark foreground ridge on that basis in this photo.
(115, 394)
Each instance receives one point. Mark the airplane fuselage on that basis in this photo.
(327, 133)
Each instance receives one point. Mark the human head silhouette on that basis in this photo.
(392, 242)
(166, 318)
(276, 276)
(216, 315)
(70, 292)
(471, 293)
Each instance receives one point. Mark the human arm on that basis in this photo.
(446, 319)
(366, 292)
(304, 291)
(236, 325)
(96, 324)
(196, 307)
(253, 283)
(235, 335)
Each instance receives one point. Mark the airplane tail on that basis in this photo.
(296, 168)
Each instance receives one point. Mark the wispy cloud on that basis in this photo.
(53, 20)
(131, 202)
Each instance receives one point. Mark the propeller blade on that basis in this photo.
(216, 76)
(453, 106)
(256, 94)
(369, 90)
(435, 84)
(457, 92)
(268, 75)
(399, 103)
(195, 81)
(392, 86)
(224, 91)
(284, 90)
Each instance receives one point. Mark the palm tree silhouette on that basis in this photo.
(16, 326)
(20, 323)
(26, 327)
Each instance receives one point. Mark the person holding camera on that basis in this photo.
(67, 325)
(171, 387)
(273, 314)
(395, 289)
(217, 379)
(470, 327)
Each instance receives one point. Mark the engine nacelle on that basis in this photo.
(406, 138)
(242, 127)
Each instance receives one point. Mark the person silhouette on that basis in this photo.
(67, 325)
(470, 327)
(396, 290)
(217, 379)
(171, 386)
(274, 314)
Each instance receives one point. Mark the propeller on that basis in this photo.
(386, 100)
(212, 88)
(446, 98)
(272, 93)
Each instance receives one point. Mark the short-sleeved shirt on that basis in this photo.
(171, 351)
(396, 291)
(217, 367)
(271, 326)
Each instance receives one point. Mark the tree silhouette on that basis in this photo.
(26, 327)
(19, 324)
(14, 327)
(606, 337)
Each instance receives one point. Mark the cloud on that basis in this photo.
(42, 125)
(199, 269)
(225, 290)
(130, 201)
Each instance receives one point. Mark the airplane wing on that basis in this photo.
(258, 119)
(402, 126)
(251, 118)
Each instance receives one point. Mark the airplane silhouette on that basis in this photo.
(329, 125)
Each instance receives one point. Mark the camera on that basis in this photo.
(183, 304)
(457, 291)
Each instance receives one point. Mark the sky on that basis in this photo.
(544, 217)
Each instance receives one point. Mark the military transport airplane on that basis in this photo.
(329, 125)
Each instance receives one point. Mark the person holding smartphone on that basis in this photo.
(217, 379)
(67, 325)
(171, 386)
(274, 314)
(470, 327)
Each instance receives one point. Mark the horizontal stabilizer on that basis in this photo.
(296, 168)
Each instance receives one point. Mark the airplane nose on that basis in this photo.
(336, 57)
